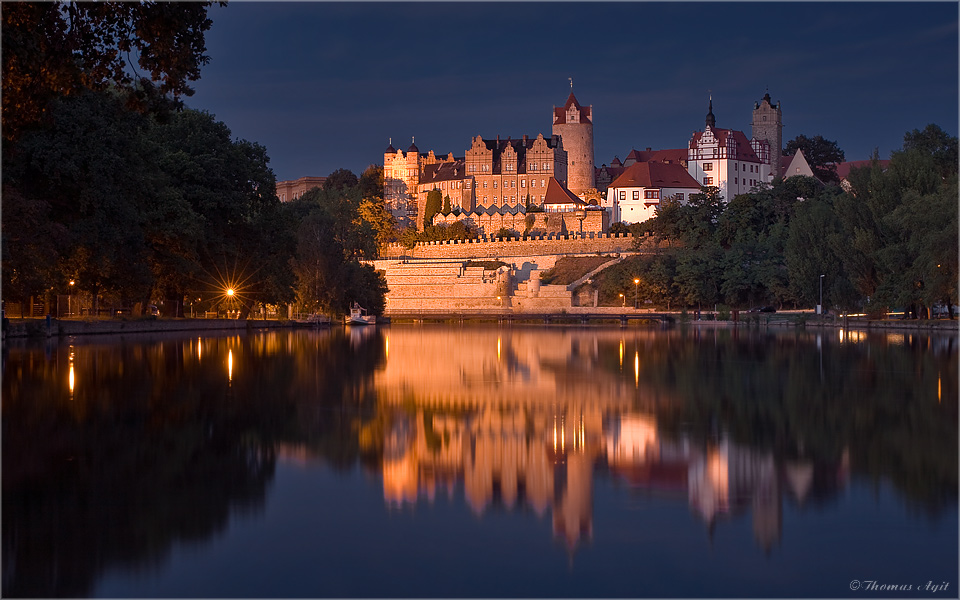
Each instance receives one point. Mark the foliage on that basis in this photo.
(432, 207)
(138, 206)
(822, 155)
(447, 209)
(56, 49)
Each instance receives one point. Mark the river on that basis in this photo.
(484, 461)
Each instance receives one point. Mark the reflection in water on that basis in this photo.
(145, 444)
(531, 429)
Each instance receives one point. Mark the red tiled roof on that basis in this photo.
(672, 155)
(744, 149)
(560, 112)
(655, 175)
(557, 194)
(844, 168)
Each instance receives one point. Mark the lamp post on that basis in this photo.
(70, 298)
(820, 306)
(623, 301)
(636, 293)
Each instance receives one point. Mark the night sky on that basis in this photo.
(326, 85)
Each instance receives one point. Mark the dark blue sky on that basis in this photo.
(325, 85)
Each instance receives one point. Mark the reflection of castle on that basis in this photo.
(533, 432)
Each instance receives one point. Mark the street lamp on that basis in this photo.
(820, 306)
(623, 301)
(636, 293)
(70, 298)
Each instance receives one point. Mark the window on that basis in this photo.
(735, 165)
(734, 181)
(542, 183)
(708, 181)
(651, 194)
(623, 195)
(546, 166)
(636, 194)
(484, 185)
(467, 184)
(523, 183)
(494, 184)
(513, 183)
(513, 199)
(707, 166)
(679, 196)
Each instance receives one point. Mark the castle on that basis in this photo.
(510, 177)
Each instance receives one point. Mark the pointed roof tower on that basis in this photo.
(711, 120)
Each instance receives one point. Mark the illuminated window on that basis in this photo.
(707, 166)
(623, 195)
(651, 194)
(636, 194)
(523, 183)
(484, 185)
(513, 184)
(708, 181)
(494, 184)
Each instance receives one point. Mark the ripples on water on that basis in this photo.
(444, 461)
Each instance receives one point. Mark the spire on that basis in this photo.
(711, 120)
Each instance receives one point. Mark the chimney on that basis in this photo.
(648, 149)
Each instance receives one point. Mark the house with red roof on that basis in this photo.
(727, 160)
(634, 196)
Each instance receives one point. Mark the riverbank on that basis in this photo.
(40, 327)
(21, 328)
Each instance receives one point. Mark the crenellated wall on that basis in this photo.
(488, 248)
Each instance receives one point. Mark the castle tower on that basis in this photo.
(574, 124)
(768, 125)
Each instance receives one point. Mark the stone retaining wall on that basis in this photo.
(603, 243)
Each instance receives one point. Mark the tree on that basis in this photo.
(935, 142)
(54, 49)
(342, 179)
(371, 182)
(447, 209)
(432, 207)
(822, 155)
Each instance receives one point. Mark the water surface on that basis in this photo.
(442, 461)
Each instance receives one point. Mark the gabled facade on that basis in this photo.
(727, 160)
(796, 165)
(635, 195)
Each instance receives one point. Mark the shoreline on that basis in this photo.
(42, 328)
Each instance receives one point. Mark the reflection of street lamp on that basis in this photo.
(820, 306)
(636, 293)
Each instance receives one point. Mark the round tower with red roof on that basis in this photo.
(574, 124)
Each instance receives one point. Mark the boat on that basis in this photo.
(358, 316)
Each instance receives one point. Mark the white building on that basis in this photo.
(727, 160)
(634, 196)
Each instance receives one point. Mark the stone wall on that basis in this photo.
(487, 248)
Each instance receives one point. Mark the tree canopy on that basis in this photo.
(52, 49)
(822, 155)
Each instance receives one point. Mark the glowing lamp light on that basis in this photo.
(230, 291)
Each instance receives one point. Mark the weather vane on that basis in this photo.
(571, 82)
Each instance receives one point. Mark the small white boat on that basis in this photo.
(358, 316)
